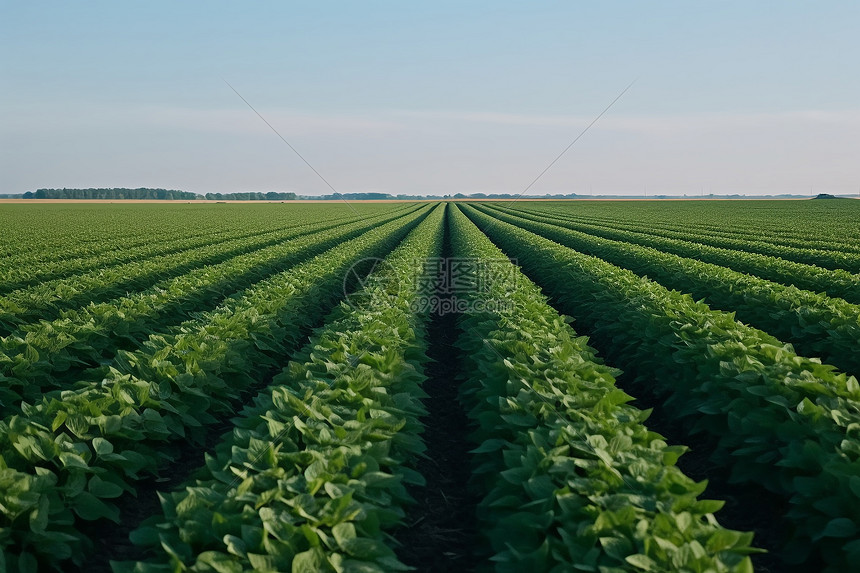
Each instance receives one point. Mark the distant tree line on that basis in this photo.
(119, 193)
(354, 197)
(270, 196)
(114, 193)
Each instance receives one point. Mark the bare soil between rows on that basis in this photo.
(748, 507)
(112, 542)
(440, 531)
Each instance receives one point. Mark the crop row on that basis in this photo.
(805, 249)
(574, 480)
(21, 271)
(46, 300)
(40, 238)
(836, 283)
(832, 223)
(46, 356)
(816, 324)
(46, 233)
(778, 419)
(66, 457)
(314, 472)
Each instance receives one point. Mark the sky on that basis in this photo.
(435, 97)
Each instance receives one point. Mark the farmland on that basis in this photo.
(510, 386)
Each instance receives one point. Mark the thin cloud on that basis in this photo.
(658, 124)
(230, 121)
(289, 121)
(393, 122)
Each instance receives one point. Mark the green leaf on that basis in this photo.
(343, 534)
(102, 446)
(708, 505)
(39, 516)
(723, 539)
(309, 561)
(839, 527)
(27, 563)
(641, 561)
(854, 484)
(672, 453)
(144, 536)
(365, 548)
(219, 562)
(105, 489)
(490, 446)
(235, 545)
(262, 562)
(617, 547)
(59, 419)
(72, 461)
(90, 508)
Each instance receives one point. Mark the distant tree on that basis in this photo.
(120, 193)
(114, 193)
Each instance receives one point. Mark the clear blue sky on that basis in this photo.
(436, 97)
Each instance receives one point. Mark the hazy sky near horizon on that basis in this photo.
(432, 97)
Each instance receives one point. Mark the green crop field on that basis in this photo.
(508, 386)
